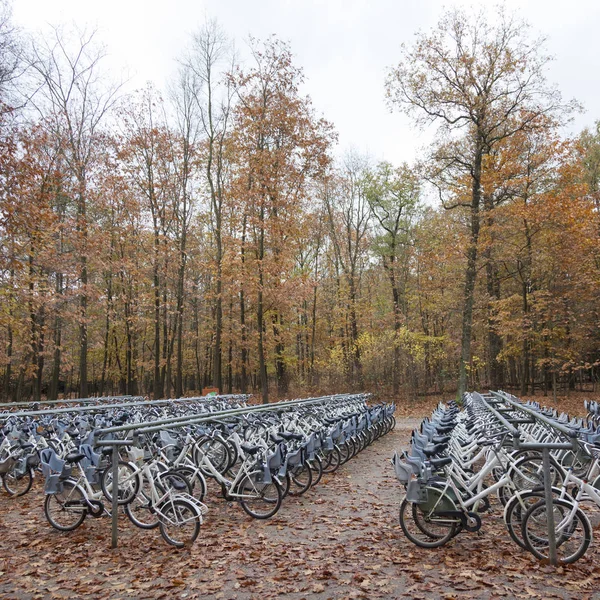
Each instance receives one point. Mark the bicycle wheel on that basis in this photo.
(128, 483)
(284, 484)
(317, 469)
(420, 524)
(514, 511)
(17, 484)
(179, 522)
(216, 450)
(196, 480)
(301, 479)
(573, 531)
(344, 453)
(66, 510)
(259, 500)
(140, 510)
(334, 460)
(527, 473)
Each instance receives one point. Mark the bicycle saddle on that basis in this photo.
(288, 435)
(440, 462)
(434, 450)
(74, 457)
(251, 449)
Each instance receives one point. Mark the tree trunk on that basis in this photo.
(471, 272)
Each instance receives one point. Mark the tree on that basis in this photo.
(475, 79)
(393, 195)
(349, 214)
(75, 101)
(280, 146)
(211, 92)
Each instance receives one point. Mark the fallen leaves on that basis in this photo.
(337, 541)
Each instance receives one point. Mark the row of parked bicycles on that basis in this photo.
(169, 453)
(494, 446)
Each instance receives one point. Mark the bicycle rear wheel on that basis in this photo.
(259, 500)
(421, 525)
(128, 482)
(17, 484)
(66, 510)
(217, 451)
(140, 510)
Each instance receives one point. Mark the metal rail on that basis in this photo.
(101, 407)
(207, 417)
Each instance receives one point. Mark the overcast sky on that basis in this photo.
(344, 46)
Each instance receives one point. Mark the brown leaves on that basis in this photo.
(337, 541)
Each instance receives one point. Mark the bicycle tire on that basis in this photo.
(69, 501)
(317, 469)
(179, 522)
(140, 510)
(284, 483)
(196, 481)
(17, 485)
(259, 500)
(423, 534)
(334, 460)
(129, 482)
(216, 450)
(527, 474)
(573, 538)
(301, 478)
(514, 511)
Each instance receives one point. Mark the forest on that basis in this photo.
(212, 234)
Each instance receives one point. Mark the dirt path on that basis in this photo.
(341, 540)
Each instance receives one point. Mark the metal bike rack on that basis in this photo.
(545, 448)
(212, 416)
(100, 407)
(96, 399)
(115, 489)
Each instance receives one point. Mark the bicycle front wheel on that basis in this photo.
(128, 482)
(572, 531)
(66, 510)
(179, 522)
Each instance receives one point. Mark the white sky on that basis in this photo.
(344, 46)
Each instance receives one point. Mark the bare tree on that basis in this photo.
(72, 97)
(349, 215)
(211, 94)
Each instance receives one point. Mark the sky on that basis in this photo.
(345, 48)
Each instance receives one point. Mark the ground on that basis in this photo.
(340, 540)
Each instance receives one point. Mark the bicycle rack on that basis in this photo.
(545, 448)
(115, 493)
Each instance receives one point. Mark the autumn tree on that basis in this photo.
(473, 78)
(280, 146)
(204, 81)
